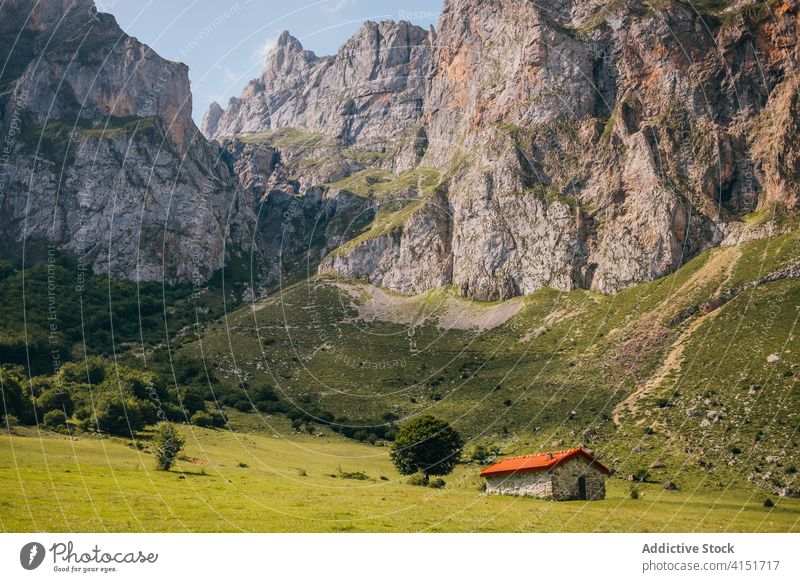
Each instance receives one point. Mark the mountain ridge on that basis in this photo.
(571, 160)
(581, 145)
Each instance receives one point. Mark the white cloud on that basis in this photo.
(262, 51)
(333, 6)
(230, 75)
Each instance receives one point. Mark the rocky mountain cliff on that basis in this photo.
(517, 146)
(102, 158)
(578, 144)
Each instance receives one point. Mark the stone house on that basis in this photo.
(559, 475)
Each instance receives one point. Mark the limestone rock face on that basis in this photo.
(211, 119)
(598, 145)
(104, 160)
(520, 145)
(370, 91)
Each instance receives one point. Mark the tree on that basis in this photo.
(427, 445)
(55, 418)
(119, 416)
(14, 398)
(168, 443)
(202, 418)
(55, 399)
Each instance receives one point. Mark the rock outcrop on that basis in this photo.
(590, 145)
(370, 91)
(211, 119)
(102, 157)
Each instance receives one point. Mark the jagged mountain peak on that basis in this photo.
(211, 119)
(371, 89)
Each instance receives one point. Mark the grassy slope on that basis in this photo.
(617, 374)
(103, 485)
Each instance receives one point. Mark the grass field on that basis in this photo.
(254, 482)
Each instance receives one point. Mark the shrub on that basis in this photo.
(55, 399)
(769, 503)
(641, 475)
(418, 480)
(168, 444)
(55, 418)
(218, 419)
(192, 398)
(202, 418)
(15, 398)
(735, 450)
(479, 454)
(356, 475)
(634, 493)
(93, 371)
(437, 483)
(428, 445)
(119, 416)
(243, 406)
(11, 420)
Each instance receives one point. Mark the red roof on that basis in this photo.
(539, 462)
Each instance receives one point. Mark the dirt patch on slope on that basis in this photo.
(447, 310)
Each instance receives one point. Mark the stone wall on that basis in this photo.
(560, 484)
(565, 480)
(538, 484)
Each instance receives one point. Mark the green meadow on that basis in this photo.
(262, 482)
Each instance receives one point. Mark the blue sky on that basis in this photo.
(225, 43)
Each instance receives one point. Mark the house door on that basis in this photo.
(582, 488)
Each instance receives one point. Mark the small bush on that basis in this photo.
(479, 454)
(55, 418)
(243, 406)
(634, 493)
(202, 418)
(167, 443)
(218, 419)
(769, 503)
(11, 421)
(356, 475)
(418, 480)
(735, 450)
(437, 483)
(243, 465)
(641, 475)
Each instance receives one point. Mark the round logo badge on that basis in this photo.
(31, 555)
